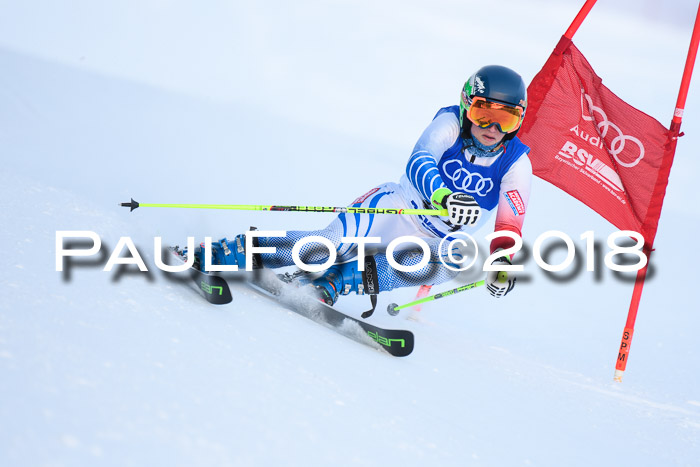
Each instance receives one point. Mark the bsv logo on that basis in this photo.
(584, 159)
(464, 180)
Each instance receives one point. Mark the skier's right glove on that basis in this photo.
(461, 207)
(499, 283)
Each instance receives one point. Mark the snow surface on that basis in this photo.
(315, 102)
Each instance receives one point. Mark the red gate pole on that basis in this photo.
(687, 73)
(585, 9)
(626, 342)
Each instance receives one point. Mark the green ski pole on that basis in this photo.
(260, 207)
(393, 309)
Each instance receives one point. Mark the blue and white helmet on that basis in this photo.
(494, 83)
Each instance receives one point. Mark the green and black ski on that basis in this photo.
(215, 289)
(397, 342)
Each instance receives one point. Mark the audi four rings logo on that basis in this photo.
(469, 182)
(635, 150)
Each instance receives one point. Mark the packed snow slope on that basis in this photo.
(315, 103)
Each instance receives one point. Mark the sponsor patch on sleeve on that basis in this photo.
(364, 197)
(516, 202)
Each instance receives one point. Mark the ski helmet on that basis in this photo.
(497, 84)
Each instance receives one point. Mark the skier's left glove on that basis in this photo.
(461, 207)
(499, 283)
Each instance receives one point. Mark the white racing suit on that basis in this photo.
(498, 182)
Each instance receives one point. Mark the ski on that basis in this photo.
(215, 289)
(397, 342)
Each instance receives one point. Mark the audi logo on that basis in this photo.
(466, 181)
(618, 143)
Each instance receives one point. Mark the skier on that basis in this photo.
(468, 160)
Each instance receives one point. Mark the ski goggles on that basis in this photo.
(486, 113)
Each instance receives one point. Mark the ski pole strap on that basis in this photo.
(370, 312)
(370, 283)
(395, 308)
(263, 207)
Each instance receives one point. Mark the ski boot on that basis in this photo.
(338, 279)
(341, 279)
(225, 252)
